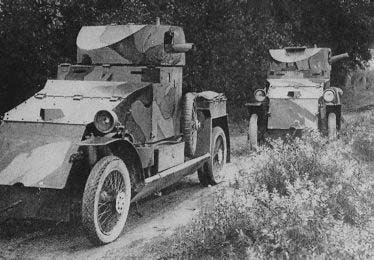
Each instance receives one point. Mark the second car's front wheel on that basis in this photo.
(106, 200)
(253, 132)
(331, 125)
(211, 172)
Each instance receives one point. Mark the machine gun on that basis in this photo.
(339, 57)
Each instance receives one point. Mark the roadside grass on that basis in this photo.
(302, 199)
(358, 132)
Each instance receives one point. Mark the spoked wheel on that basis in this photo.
(331, 125)
(210, 174)
(190, 124)
(106, 200)
(253, 132)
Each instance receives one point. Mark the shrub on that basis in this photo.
(363, 145)
(307, 199)
(359, 132)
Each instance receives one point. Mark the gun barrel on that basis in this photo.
(336, 58)
(178, 48)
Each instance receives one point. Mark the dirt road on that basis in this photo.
(160, 216)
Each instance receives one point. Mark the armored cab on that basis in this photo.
(110, 130)
(298, 95)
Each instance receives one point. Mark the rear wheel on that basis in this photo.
(190, 124)
(106, 200)
(210, 173)
(253, 132)
(331, 124)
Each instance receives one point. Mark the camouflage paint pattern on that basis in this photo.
(312, 63)
(39, 136)
(149, 113)
(37, 155)
(129, 44)
(293, 103)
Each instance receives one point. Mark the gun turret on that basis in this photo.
(132, 44)
(336, 58)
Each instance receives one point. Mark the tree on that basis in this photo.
(232, 37)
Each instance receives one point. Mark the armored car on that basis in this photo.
(110, 130)
(297, 96)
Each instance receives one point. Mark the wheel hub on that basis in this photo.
(120, 202)
(196, 125)
(220, 156)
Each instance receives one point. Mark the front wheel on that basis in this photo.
(106, 200)
(209, 174)
(331, 124)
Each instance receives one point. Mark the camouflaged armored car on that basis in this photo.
(298, 95)
(110, 130)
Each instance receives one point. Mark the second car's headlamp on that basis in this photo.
(105, 121)
(260, 95)
(329, 95)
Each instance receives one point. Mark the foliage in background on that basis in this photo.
(232, 37)
(359, 134)
(304, 199)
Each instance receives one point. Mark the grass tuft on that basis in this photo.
(305, 198)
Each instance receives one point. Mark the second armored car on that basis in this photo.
(298, 95)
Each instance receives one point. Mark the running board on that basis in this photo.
(166, 178)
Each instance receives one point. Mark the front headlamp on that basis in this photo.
(260, 95)
(105, 121)
(329, 95)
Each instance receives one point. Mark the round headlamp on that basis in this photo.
(329, 95)
(260, 95)
(105, 121)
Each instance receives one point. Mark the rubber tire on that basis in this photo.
(189, 113)
(207, 172)
(331, 126)
(90, 199)
(253, 132)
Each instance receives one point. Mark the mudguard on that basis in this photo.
(141, 157)
(99, 141)
(212, 102)
(36, 154)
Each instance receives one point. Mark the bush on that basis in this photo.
(307, 199)
(359, 132)
(363, 144)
